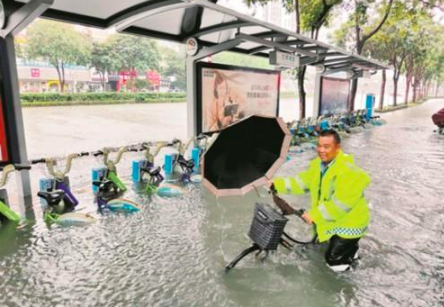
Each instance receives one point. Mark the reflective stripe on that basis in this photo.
(347, 231)
(287, 184)
(340, 205)
(324, 213)
(301, 184)
(332, 188)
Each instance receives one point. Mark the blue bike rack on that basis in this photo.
(136, 174)
(369, 104)
(45, 184)
(195, 155)
(98, 173)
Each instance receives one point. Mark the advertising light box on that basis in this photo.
(226, 94)
(334, 96)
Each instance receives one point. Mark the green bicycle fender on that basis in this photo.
(8, 213)
(113, 177)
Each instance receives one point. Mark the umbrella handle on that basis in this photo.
(259, 193)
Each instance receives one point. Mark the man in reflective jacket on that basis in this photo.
(338, 206)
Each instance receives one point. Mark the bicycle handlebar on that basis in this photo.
(97, 153)
(20, 167)
(37, 161)
(9, 169)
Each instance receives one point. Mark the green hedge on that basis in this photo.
(78, 103)
(29, 99)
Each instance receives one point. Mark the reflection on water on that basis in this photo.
(174, 251)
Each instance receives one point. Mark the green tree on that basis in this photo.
(103, 59)
(395, 41)
(369, 17)
(410, 43)
(59, 44)
(133, 53)
(173, 65)
(311, 16)
(361, 27)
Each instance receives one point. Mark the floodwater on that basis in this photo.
(59, 131)
(174, 251)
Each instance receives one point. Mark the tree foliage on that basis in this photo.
(173, 65)
(103, 59)
(59, 44)
(133, 52)
(311, 16)
(412, 44)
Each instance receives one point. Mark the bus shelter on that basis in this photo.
(205, 27)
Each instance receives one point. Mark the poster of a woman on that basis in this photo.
(225, 109)
(229, 94)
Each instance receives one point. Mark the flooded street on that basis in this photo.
(174, 251)
(58, 131)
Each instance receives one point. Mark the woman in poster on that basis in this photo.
(224, 110)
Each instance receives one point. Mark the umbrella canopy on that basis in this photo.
(245, 154)
(438, 118)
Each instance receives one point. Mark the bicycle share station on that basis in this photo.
(220, 151)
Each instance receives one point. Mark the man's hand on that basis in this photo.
(271, 188)
(307, 218)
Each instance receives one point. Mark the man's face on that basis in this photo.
(327, 148)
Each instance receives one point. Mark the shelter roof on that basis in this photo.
(209, 23)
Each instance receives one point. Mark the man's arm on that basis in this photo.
(298, 184)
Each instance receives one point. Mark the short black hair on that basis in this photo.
(333, 133)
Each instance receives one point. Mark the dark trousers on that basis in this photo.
(341, 251)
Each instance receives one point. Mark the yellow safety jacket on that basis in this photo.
(338, 206)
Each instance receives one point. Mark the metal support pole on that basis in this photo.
(317, 95)
(192, 107)
(191, 97)
(13, 112)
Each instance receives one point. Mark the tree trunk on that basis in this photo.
(62, 84)
(354, 85)
(437, 89)
(102, 79)
(414, 91)
(301, 91)
(354, 89)
(382, 93)
(59, 74)
(407, 88)
(395, 90)
(298, 18)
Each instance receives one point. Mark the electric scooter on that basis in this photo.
(58, 201)
(108, 187)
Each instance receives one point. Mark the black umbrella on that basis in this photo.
(245, 154)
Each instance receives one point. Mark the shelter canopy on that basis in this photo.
(209, 23)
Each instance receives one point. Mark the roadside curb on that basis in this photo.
(400, 107)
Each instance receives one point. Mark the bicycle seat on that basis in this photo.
(154, 171)
(107, 190)
(52, 197)
(150, 169)
(105, 186)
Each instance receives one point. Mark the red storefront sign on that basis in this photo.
(3, 142)
(35, 72)
(153, 77)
